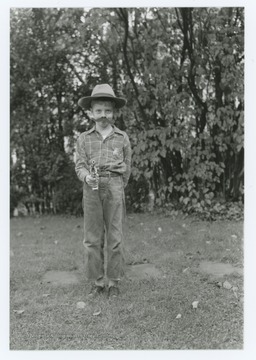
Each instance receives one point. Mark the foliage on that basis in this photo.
(181, 70)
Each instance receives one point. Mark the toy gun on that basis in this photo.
(94, 174)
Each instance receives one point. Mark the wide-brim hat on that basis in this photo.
(102, 91)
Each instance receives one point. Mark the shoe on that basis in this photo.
(96, 290)
(113, 291)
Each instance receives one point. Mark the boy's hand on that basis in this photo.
(91, 181)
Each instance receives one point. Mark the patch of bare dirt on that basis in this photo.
(142, 271)
(219, 269)
(60, 277)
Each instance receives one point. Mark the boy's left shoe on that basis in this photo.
(113, 291)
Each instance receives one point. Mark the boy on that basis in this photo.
(103, 195)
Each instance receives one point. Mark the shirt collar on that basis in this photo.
(91, 130)
(115, 129)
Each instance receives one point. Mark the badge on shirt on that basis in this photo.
(117, 152)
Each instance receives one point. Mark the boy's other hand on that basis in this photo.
(91, 181)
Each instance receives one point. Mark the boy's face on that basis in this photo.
(102, 112)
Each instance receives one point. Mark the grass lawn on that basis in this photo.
(45, 316)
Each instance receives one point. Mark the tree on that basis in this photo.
(42, 102)
(181, 70)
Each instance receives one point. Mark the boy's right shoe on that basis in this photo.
(113, 291)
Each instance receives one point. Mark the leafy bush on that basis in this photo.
(182, 72)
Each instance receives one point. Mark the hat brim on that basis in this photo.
(85, 102)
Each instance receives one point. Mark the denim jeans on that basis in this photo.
(104, 211)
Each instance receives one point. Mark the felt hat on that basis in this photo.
(102, 91)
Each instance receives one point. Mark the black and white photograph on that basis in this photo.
(128, 177)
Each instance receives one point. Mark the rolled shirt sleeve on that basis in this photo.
(81, 163)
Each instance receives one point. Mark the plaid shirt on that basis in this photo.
(110, 154)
